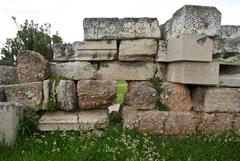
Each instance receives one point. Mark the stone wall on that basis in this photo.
(196, 59)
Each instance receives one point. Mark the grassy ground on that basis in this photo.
(121, 90)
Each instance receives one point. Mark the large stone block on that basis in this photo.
(162, 51)
(26, 94)
(77, 121)
(2, 94)
(10, 114)
(130, 70)
(125, 28)
(215, 99)
(176, 96)
(190, 47)
(229, 31)
(74, 70)
(86, 50)
(193, 73)
(196, 19)
(141, 95)
(137, 50)
(229, 76)
(8, 74)
(96, 93)
(166, 29)
(32, 66)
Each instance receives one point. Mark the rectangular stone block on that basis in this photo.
(166, 30)
(131, 70)
(26, 94)
(8, 75)
(137, 50)
(77, 121)
(124, 28)
(193, 73)
(229, 76)
(196, 19)
(162, 51)
(2, 94)
(10, 114)
(214, 99)
(74, 70)
(86, 50)
(229, 31)
(190, 47)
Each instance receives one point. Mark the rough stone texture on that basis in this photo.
(137, 50)
(176, 96)
(229, 76)
(190, 47)
(8, 74)
(181, 123)
(193, 73)
(215, 99)
(166, 29)
(31, 66)
(74, 70)
(141, 95)
(130, 70)
(216, 123)
(150, 121)
(77, 121)
(229, 31)
(196, 19)
(96, 93)
(46, 94)
(236, 122)
(227, 50)
(125, 28)
(2, 94)
(62, 52)
(9, 118)
(26, 94)
(66, 95)
(162, 51)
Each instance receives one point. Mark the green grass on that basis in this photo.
(122, 87)
(119, 144)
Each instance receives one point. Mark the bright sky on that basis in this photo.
(66, 16)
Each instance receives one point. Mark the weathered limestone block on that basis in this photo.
(176, 96)
(181, 123)
(96, 93)
(66, 95)
(2, 94)
(216, 122)
(32, 66)
(215, 99)
(166, 29)
(26, 94)
(130, 70)
(196, 19)
(77, 121)
(229, 76)
(124, 28)
(8, 74)
(10, 114)
(137, 50)
(229, 31)
(46, 94)
(141, 95)
(74, 70)
(62, 52)
(150, 121)
(162, 51)
(193, 73)
(227, 50)
(190, 47)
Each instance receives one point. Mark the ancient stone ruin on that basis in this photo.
(195, 57)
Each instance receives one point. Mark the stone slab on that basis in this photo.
(229, 31)
(2, 94)
(10, 114)
(131, 70)
(74, 70)
(8, 74)
(26, 94)
(190, 47)
(166, 30)
(162, 51)
(76, 121)
(137, 50)
(196, 19)
(229, 76)
(124, 28)
(193, 73)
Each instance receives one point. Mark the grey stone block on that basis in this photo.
(193, 73)
(10, 114)
(229, 31)
(190, 47)
(74, 70)
(130, 70)
(229, 76)
(8, 74)
(162, 51)
(137, 50)
(166, 29)
(2, 94)
(124, 28)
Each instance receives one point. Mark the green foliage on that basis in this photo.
(30, 36)
(157, 84)
(28, 124)
(122, 88)
(161, 106)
